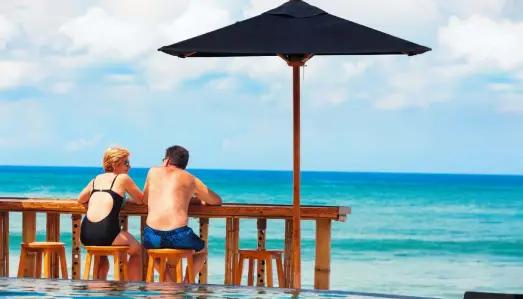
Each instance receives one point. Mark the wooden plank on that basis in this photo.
(287, 264)
(234, 247)
(53, 235)
(124, 223)
(228, 252)
(4, 244)
(76, 257)
(323, 255)
(262, 227)
(28, 235)
(227, 210)
(204, 235)
(145, 260)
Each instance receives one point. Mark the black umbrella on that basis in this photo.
(295, 31)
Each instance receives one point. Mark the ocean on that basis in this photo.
(434, 235)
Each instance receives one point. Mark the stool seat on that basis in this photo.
(119, 254)
(175, 256)
(45, 250)
(261, 255)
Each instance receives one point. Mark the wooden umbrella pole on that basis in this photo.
(296, 237)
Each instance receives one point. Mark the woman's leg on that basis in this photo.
(134, 269)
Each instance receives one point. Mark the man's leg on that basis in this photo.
(198, 263)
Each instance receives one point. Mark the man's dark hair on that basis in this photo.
(178, 156)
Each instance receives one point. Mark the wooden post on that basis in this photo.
(235, 245)
(287, 263)
(228, 270)
(204, 235)
(232, 227)
(296, 236)
(124, 223)
(261, 223)
(53, 235)
(145, 260)
(76, 257)
(4, 244)
(28, 236)
(323, 254)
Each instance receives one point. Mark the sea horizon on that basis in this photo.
(399, 172)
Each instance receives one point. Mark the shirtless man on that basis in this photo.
(168, 191)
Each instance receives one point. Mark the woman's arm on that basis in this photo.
(83, 197)
(133, 190)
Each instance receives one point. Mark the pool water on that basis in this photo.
(54, 288)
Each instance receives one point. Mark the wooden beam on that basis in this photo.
(287, 262)
(76, 257)
(296, 213)
(262, 228)
(323, 255)
(204, 235)
(4, 244)
(28, 236)
(68, 206)
(53, 235)
(145, 260)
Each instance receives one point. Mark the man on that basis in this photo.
(167, 193)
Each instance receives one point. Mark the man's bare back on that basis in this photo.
(168, 192)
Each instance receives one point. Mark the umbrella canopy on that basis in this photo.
(293, 28)
(295, 31)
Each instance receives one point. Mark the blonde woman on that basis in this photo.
(104, 195)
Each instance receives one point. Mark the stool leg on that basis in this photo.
(38, 266)
(163, 262)
(96, 267)
(21, 263)
(250, 277)
(179, 270)
(116, 258)
(88, 266)
(239, 271)
(150, 269)
(279, 267)
(190, 269)
(47, 263)
(63, 264)
(124, 265)
(268, 270)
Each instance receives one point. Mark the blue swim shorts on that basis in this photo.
(179, 238)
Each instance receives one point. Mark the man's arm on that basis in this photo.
(206, 195)
(146, 188)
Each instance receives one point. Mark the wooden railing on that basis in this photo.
(323, 215)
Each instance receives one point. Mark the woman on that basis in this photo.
(104, 195)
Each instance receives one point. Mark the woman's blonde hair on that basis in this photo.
(113, 156)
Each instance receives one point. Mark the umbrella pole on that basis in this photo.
(296, 230)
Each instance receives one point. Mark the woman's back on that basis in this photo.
(106, 190)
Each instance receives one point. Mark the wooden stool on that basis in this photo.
(260, 255)
(119, 254)
(46, 249)
(173, 255)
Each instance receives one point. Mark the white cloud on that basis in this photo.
(224, 84)
(484, 42)
(120, 78)
(83, 144)
(102, 35)
(15, 73)
(7, 31)
(62, 87)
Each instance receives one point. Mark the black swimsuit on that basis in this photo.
(103, 233)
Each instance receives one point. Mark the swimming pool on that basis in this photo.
(46, 288)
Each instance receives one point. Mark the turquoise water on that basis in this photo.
(23, 288)
(411, 234)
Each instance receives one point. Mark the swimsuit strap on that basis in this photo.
(113, 182)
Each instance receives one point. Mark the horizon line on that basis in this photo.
(290, 170)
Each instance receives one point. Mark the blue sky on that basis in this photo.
(90, 77)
